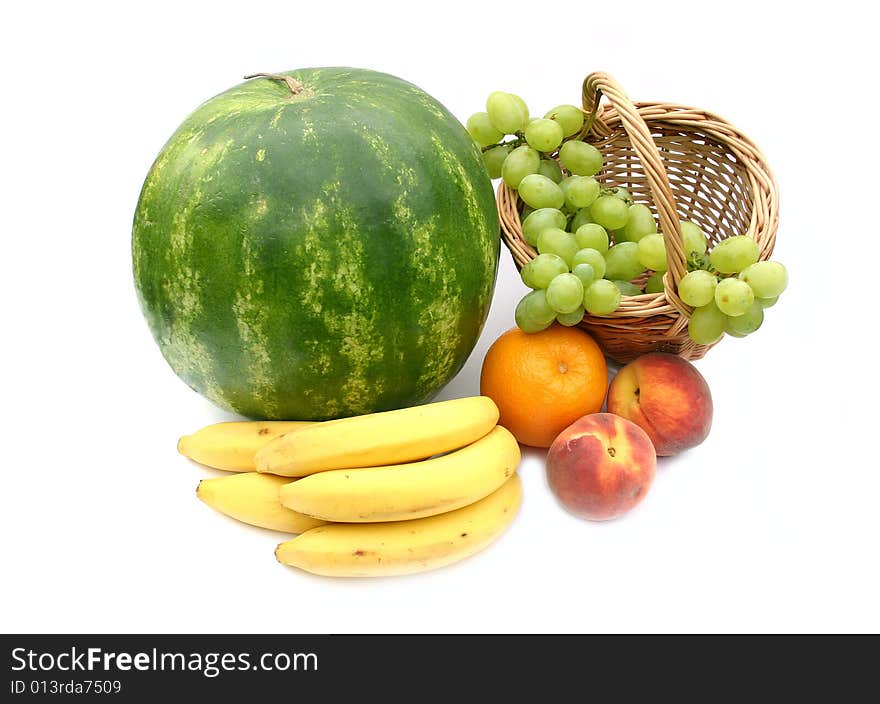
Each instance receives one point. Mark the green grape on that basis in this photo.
(580, 158)
(767, 279)
(610, 212)
(747, 323)
(569, 320)
(521, 162)
(622, 193)
(526, 325)
(506, 112)
(539, 220)
(733, 297)
(707, 324)
(554, 240)
(585, 272)
(551, 169)
(592, 257)
(601, 298)
(651, 250)
(697, 288)
(544, 135)
(528, 313)
(539, 307)
(617, 236)
(734, 254)
(523, 321)
(627, 288)
(564, 184)
(565, 293)
(622, 262)
(654, 284)
(581, 217)
(582, 191)
(767, 302)
(494, 159)
(567, 209)
(540, 192)
(640, 222)
(593, 236)
(540, 271)
(693, 237)
(523, 107)
(570, 118)
(482, 130)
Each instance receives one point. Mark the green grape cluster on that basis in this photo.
(730, 295)
(586, 260)
(530, 152)
(596, 243)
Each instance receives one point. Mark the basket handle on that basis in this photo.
(598, 84)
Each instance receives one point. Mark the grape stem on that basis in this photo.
(520, 140)
(701, 261)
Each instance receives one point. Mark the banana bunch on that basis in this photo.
(380, 494)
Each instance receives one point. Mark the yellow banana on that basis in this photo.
(376, 439)
(406, 491)
(253, 498)
(231, 446)
(403, 547)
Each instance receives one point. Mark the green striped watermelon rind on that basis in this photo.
(319, 255)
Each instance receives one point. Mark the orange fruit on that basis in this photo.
(543, 382)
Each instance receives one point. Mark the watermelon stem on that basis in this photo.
(295, 86)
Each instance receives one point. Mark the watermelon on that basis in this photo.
(317, 248)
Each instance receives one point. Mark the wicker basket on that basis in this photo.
(683, 163)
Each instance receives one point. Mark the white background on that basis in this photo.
(771, 525)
